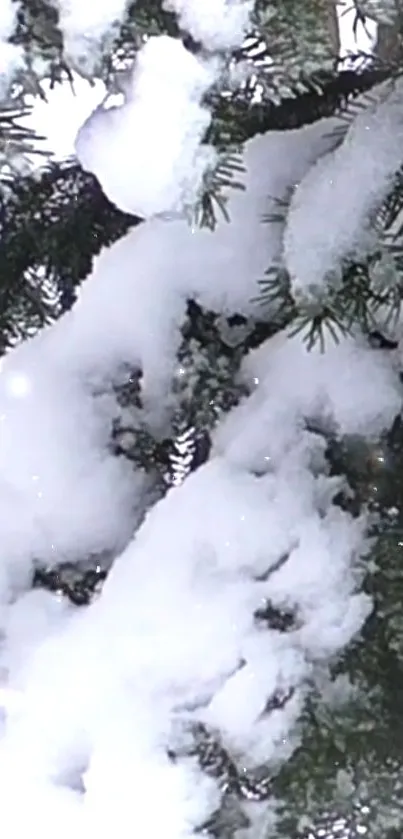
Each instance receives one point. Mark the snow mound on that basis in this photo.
(218, 25)
(332, 208)
(100, 708)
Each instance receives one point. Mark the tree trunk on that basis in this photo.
(389, 43)
(332, 24)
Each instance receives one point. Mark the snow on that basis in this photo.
(146, 153)
(93, 699)
(10, 55)
(86, 27)
(217, 24)
(77, 17)
(322, 383)
(8, 16)
(330, 213)
(63, 495)
(64, 366)
(69, 496)
(48, 116)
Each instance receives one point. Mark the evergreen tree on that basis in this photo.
(200, 404)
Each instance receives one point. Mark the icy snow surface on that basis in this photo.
(92, 699)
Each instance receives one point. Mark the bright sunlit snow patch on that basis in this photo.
(12, 701)
(15, 382)
(18, 384)
(228, 282)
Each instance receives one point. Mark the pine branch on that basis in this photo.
(370, 293)
(345, 777)
(38, 32)
(204, 387)
(189, 449)
(51, 228)
(389, 220)
(383, 11)
(236, 120)
(13, 133)
(79, 584)
(214, 196)
(326, 94)
(357, 301)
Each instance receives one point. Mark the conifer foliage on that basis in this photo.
(200, 422)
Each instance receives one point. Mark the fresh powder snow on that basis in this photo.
(353, 181)
(94, 701)
(86, 28)
(147, 153)
(93, 19)
(217, 24)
